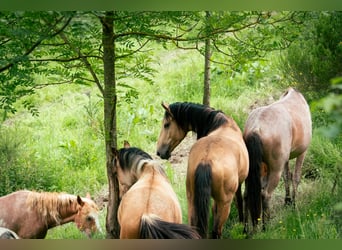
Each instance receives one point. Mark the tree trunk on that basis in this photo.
(112, 225)
(207, 55)
(206, 92)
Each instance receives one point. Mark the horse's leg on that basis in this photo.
(245, 212)
(297, 175)
(189, 195)
(239, 203)
(221, 211)
(287, 180)
(273, 180)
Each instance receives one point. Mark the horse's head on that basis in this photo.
(86, 218)
(126, 161)
(171, 134)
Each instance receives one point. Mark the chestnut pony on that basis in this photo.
(217, 163)
(149, 207)
(31, 214)
(274, 134)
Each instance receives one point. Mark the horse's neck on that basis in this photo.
(67, 213)
(227, 127)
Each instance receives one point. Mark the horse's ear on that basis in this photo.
(167, 108)
(126, 144)
(79, 201)
(115, 151)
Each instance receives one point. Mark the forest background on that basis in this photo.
(76, 84)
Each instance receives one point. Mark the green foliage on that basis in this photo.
(21, 33)
(18, 167)
(56, 151)
(62, 148)
(332, 105)
(316, 57)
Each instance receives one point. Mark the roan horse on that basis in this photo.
(273, 135)
(31, 214)
(217, 163)
(149, 207)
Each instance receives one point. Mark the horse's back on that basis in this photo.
(12, 206)
(284, 125)
(158, 199)
(14, 213)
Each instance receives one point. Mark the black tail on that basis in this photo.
(151, 227)
(253, 183)
(203, 179)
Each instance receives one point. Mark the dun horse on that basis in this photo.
(149, 207)
(31, 214)
(273, 135)
(217, 163)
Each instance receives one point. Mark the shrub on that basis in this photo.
(316, 57)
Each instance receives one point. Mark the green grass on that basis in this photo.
(63, 148)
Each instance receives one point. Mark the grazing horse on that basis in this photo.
(7, 234)
(149, 208)
(273, 135)
(31, 214)
(217, 163)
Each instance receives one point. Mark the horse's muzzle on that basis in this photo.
(164, 152)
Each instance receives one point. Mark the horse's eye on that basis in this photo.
(89, 218)
(166, 125)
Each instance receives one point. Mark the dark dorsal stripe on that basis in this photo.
(201, 118)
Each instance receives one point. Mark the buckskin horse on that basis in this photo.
(274, 134)
(149, 207)
(31, 214)
(217, 163)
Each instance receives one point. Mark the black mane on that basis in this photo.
(130, 157)
(201, 118)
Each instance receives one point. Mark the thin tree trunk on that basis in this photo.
(207, 55)
(112, 225)
(206, 92)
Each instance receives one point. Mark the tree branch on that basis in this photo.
(63, 60)
(37, 43)
(134, 51)
(84, 59)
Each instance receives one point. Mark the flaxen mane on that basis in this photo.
(49, 205)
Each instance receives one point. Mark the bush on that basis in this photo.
(18, 167)
(316, 56)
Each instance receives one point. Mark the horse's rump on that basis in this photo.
(152, 227)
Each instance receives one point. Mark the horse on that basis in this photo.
(217, 163)
(31, 214)
(274, 134)
(149, 208)
(7, 234)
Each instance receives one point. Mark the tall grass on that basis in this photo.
(56, 151)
